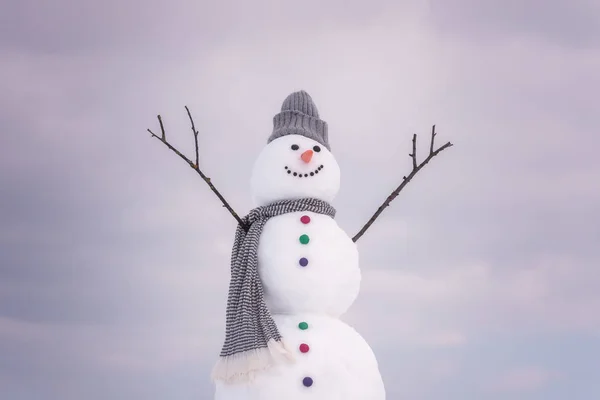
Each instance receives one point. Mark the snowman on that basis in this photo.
(294, 273)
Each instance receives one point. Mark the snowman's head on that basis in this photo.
(292, 167)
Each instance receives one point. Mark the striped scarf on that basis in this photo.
(251, 336)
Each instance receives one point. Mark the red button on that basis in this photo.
(304, 348)
(305, 219)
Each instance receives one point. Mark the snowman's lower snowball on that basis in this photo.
(339, 365)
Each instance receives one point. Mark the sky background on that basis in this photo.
(481, 281)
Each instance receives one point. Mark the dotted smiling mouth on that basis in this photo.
(306, 175)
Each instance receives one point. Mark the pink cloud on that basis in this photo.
(522, 379)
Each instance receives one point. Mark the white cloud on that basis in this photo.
(446, 307)
(128, 349)
(522, 379)
(516, 111)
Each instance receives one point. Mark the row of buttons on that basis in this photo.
(304, 239)
(304, 348)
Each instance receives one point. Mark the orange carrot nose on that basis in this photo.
(307, 156)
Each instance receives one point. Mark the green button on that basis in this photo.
(303, 325)
(304, 239)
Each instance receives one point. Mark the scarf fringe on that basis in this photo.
(282, 348)
(243, 367)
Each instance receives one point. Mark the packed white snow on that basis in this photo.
(340, 363)
(330, 281)
(310, 274)
(271, 181)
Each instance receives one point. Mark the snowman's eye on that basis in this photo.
(317, 149)
(295, 147)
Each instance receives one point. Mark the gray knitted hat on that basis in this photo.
(299, 116)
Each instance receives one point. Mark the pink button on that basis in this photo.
(304, 348)
(305, 219)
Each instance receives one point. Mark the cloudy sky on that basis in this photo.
(480, 282)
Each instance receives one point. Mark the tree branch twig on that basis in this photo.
(414, 153)
(195, 165)
(405, 179)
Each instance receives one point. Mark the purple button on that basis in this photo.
(307, 381)
(303, 262)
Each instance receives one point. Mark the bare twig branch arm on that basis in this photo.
(414, 153)
(195, 165)
(162, 128)
(405, 179)
(195, 133)
(432, 139)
